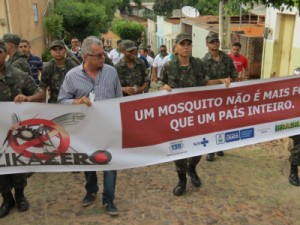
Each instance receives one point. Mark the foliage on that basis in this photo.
(83, 18)
(54, 26)
(211, 7)
(164, 7)
(46, 56)
(124, 5)
(128, 29)
(269, 3)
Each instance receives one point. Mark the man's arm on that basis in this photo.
(30, 92)
(154, 77)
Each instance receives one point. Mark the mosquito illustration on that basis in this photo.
(41, 133)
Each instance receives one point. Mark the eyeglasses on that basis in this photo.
(163, 50)
(99, 56)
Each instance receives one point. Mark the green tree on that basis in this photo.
(211, 7)
(54, 26)
(128, 30)
(124, 5)
(83, 18)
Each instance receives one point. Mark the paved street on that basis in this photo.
(249, 186)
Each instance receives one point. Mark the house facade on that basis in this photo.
(25, 18)
(281, 43)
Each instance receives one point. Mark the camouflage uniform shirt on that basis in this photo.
(19, 61)
(132, 76)
(177, 76)
(14, 81)
(222, 69)
(53, 77)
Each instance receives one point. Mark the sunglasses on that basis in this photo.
(99, 56)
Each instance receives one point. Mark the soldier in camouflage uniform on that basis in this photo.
(218, 65)
(15, 85)
(54, 72)
(186, 71)
(131, 70)
(295, 154)
(16, 58)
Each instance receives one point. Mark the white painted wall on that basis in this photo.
(199, 43)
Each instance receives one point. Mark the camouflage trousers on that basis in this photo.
(295, 151)
(9, 181)
(182, 164)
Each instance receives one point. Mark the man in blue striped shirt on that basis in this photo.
(35, 62)
(93, 77)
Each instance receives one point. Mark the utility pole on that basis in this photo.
(224, 27)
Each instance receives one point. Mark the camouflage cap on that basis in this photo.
(2, 46)
(128, 45)
(12, 38)
(211, 37)
(57, 43)
(183, 37)
(142, 46)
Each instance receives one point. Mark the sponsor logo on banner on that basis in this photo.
(263, 130)
(247, 133)
(232, 136)
(220, 138)
(176, 147)
(204, 142)
(287, 126)
(237, 135)
(38, 141)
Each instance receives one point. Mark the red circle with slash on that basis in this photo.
(52, 130)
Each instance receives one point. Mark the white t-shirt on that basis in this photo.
(167, 58)
(115, 55)
(158, 64)
(150, 60)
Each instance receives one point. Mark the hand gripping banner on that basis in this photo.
(146, 129)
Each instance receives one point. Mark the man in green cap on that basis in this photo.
(131, 70)
(16, 58)
(56, 69)
(219, 66)
(16, 86)
(181, 72)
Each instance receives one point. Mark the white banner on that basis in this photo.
(146, 129)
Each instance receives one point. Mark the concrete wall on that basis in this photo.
(199, 44)
(4, 22)
(20, 17)
(272, 52)
(151, 29)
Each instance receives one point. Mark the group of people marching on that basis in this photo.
(96, 75)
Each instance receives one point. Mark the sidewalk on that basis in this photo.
(249, 186)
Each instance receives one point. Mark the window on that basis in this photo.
(35, 12)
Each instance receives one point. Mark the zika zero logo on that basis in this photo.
(29, 137)
(47, 139)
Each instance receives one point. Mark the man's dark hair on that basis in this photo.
(26, 41)
(237, 44)
(163, 46)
